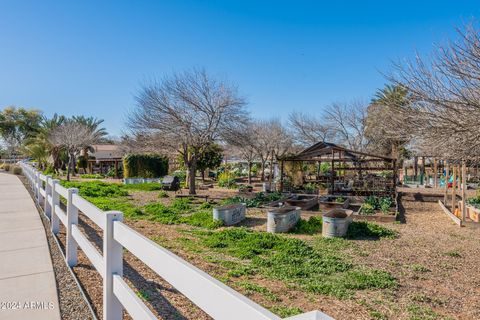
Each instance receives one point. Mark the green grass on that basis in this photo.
(295, 262)
(454, 254)
(180, 211)
(91, 176)
(419, 268)
(418, 312)
(94, 189)
(253, 287)
(112, 196)
(117, 204)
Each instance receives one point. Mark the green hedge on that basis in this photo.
(145, 166)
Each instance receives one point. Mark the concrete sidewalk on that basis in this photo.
(27, 281)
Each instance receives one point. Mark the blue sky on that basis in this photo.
(90, 57)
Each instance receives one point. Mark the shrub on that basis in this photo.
(82, 162)
(260, 198)
(227, 180)
(310, 226)
(17, 170)
(145, 165)
(6, 166)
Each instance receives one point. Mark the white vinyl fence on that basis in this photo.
(209, 294)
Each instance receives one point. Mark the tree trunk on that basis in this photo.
(191, 177)
(270, 176)
(203, 176)
(249, 172)
(69, 166)
(263, 169)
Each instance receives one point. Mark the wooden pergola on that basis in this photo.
(336, 155)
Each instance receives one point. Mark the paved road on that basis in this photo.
(27, 281)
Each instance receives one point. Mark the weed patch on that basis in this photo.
(311, 226)
(94, 189)
(296, 262)
(364, 229)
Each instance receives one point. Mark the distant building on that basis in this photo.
(104, 158)
(106, 151)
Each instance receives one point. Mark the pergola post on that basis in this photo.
(435, 169)
(447, 173)
(281, 175)
(332, 172)
(454, 185)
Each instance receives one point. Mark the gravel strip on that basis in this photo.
(72, 303)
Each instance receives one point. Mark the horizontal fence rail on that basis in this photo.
(212, 296)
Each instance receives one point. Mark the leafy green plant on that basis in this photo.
(373, 203)
(385, 203)
(310, 187)
(311, 226)
(256, 201)
(364, 229)
(227, 180)
(474, 202)
(340, 199)
(367, 209)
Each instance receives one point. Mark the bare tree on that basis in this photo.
(347, 121)
(308, 130)
(445, 95)
(73, 136)
(243, 141)
(187, 112)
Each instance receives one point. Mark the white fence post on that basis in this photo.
(48, 191)
(54, 221)
(72, 218)
(113, 264)
(37, 186)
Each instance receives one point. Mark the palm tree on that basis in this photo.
(382, 107)
(41, 141)
(94, 125)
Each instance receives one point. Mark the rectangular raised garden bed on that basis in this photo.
(332, 202)
(303, 201)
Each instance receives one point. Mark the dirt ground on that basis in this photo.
(434, 261)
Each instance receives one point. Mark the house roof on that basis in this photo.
(325, 151)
